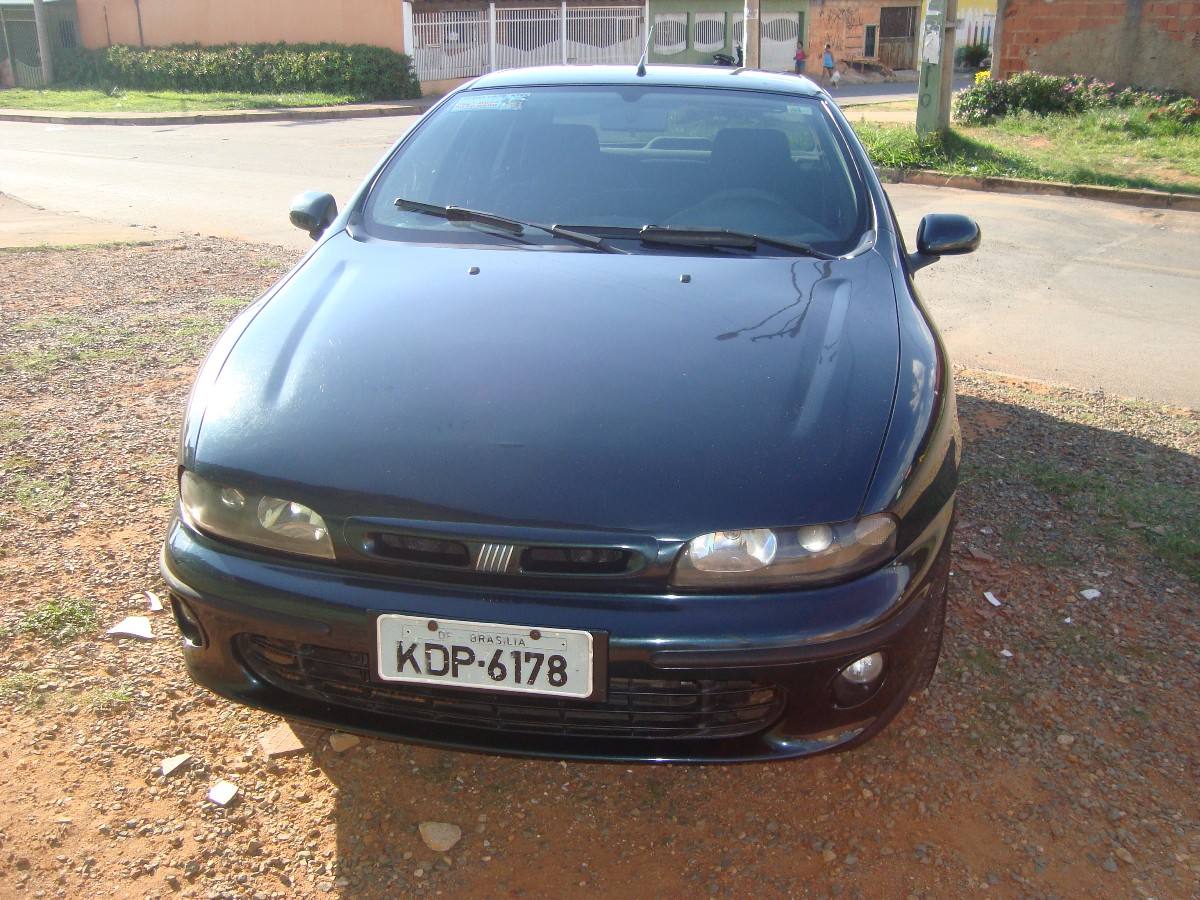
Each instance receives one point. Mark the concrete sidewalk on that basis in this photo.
(25, 225)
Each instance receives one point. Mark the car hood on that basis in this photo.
(658, 393)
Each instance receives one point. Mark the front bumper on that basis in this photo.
(294, 639)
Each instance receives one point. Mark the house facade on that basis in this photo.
(20, 63)
(878, 33)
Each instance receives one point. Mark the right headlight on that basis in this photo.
(270, 522)
(779, 557)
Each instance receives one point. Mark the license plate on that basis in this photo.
(485, 656)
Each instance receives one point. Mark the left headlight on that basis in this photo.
(778, 557)
(269, 522)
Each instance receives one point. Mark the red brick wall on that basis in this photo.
(1153, 43)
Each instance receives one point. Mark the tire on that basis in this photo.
(935, 628)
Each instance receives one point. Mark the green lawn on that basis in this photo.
(80, 100)
(1115, 147)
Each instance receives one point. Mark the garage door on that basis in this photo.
(780, 32)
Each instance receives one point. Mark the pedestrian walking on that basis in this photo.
(827, 63)
(801, 57)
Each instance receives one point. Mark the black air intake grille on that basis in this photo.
(636, 707)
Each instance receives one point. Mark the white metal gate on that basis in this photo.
(777, 47)
(450, 44)
(466, 43)
(974, 26)
(605, 34)
(529, 37)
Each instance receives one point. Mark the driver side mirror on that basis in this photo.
(313, 212)
(943, 234)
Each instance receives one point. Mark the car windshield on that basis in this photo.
(608, 159)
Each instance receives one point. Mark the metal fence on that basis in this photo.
(465, 43)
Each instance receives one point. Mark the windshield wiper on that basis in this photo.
(514, 227)
(723, 237)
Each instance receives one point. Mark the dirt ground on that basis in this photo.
(1056, 753)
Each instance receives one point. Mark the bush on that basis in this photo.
(373, 73)
(974, 54)
(1043, 95)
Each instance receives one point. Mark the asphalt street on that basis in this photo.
(1082, 293)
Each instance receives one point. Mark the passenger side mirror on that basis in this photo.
(313, 212)
(943, 234)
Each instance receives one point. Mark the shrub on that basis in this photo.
(1182, 115)
(974, 54)
(1041, 94)
(359, 69)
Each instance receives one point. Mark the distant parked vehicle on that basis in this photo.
(604, 422)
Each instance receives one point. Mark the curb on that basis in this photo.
(218, 117)
(1126, 196)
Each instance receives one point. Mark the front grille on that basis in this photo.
(642, 708)
(576, 560)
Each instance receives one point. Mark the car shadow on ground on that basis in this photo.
(1029, 763)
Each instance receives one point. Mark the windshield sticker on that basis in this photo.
(489, 101)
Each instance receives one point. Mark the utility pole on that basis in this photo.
(936, 50)
(752, 58)
(43, 39)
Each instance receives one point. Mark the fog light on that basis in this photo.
(864, 670)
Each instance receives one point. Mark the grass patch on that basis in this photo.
(1103, 500)
(1111, 147)
(20, 689)
(106, 700)
(70, 248)
(11, 431)
(123, 101)
(235, 302)
(35, 495)
(60, 621)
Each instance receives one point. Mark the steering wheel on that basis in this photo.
(715, 210)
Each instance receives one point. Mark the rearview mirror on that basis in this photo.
(313, 212)
(943, 234)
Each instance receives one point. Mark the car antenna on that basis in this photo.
(641, 69)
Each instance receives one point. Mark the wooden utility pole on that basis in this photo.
(936, 50)
(751, 35)
(43, 39)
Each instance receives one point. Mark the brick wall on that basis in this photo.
(1152, 43)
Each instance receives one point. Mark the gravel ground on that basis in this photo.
(1055, 754)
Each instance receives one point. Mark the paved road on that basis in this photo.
(1088, 294)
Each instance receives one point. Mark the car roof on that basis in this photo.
(659, 76)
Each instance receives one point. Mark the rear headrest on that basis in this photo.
(750, 149)
(560, 145)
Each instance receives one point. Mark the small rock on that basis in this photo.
(1160, 530)
(1124, 855)
(1109, 864)
(339, 742)
(222, 793)
(1065, 740)
(980, 555)
(440, 836)
(1090, 594)
(173, 763)
(1134, 526)
(1007, 654)
(155, 604)
(133, 626)
(280, 741)
(991, 598)
(828, 855)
